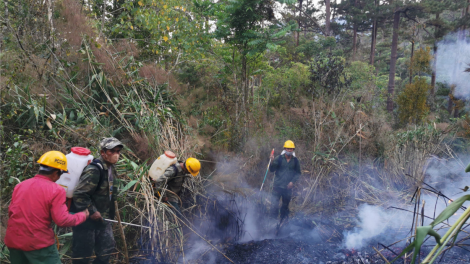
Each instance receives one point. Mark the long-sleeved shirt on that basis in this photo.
(285, 172)
(174, 178)
(93, 190)
(37, 202)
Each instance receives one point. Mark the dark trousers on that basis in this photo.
(87, 239)
(286, 196)
(47, 255)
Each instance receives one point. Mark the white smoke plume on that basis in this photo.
(374, 222)
(378, 223)
(453, 57)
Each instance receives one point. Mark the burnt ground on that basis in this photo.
(294, 244)
(299, 242)
(289, 250)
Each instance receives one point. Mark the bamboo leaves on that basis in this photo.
(423, 231)
(450, 210)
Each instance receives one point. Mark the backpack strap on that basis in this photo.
(97, 163)
(176, 169)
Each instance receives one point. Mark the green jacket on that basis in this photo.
(285, 172)
(89, 195)
(174, 178)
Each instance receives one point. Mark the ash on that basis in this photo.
(289, 250)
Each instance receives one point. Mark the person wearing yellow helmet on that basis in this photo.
(286, 168)
(37, 202)
(174, 177)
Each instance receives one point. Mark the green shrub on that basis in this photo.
(412, 106)
(286, 84)
(361, 74)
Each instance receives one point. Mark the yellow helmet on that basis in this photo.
(289, 144)
(54, 159)
(193, 166)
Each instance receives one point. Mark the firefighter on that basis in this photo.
(174, 177)
(286, 168)
(37, 202)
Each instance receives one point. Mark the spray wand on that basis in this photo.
(267, 169)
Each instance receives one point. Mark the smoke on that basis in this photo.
(453, 57)
(374, 222)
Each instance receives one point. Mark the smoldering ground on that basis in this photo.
(242, 230)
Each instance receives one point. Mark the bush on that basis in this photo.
(361, 74)
(411, 101)
(285, 84)
(328, 75)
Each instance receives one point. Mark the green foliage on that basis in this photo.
(362, 74)
(286, 84)
(310, 48)
(164, 27)
(4, 252)
(239, 23)
(421, 61)
(412, 106)
(18, 161)
(328, 75)
(425, 133)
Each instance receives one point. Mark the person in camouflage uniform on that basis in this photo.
(95, 192)
(174, 178)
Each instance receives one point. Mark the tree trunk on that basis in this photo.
(103, 13)
(298, 21)
(49, 16)
(305, 29)
(434, 63)
(393, 60)
(373, 39)
(411, 60)
(433, 76)
(464, 27)
(4, 28)
(327, 18)
(354, 41)
(245, 96)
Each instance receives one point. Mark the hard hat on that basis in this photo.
(193, 166)
(54, 159)
(289, 144)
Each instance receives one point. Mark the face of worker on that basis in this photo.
(289, 151)
(111, 156)
(183, 166)
(56, 175)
